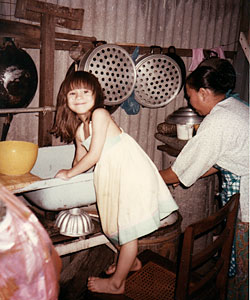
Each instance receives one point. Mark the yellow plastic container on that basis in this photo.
(17, 157)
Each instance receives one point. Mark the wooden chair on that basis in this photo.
(201, 275)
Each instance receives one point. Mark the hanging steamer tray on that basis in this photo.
(115, 70)
(158, 79)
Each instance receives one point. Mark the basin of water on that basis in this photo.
(55, 194)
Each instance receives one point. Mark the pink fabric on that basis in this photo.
(198, 56)
(27, 257)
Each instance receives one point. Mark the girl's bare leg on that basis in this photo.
(116, 283)
(135, 267)
(111, 269)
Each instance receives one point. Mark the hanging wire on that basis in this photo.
(230, 43)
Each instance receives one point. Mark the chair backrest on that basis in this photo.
(217, 254)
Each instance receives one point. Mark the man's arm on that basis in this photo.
(170, 177)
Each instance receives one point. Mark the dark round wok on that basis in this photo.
(18, 77)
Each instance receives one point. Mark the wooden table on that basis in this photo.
(13, 183)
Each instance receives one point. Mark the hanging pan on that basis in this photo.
(158, 81)
(172, 53)
(115, 70)
(18, 77)
(18, 81)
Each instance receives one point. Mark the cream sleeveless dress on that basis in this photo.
(131, 195)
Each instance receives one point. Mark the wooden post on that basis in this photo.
(46, 77)
(49, 15)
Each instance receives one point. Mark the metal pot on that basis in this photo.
(18, 77)
(184, 115)
(172, 53)
(158, 79)
(114, 68)
(18, 82)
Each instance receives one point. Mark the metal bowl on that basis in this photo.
(115, 70)
(74, 222)
(184, 115)
(158, 80)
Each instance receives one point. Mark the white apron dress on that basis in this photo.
(131, 195)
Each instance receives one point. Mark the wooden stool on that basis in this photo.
(165, 240)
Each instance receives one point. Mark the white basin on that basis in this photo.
(55, 194)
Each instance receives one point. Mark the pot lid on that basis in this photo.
(184, 115)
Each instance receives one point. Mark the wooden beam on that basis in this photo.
(17, 29)
(32, 10)
(29, 37)
(179, 51)
(73, 37)
(59, 45)
(46, 91)
(245, 46)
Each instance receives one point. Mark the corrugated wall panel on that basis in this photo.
(182, 23)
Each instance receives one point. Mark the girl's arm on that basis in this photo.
(100, 123)
(80, 150)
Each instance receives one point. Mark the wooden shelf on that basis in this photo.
(172, 145)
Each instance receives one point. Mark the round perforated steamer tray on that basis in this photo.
(158, 80)
(115, 70)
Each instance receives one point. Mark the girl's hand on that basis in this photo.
(63, 174)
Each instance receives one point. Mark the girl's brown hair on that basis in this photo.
(66, 121)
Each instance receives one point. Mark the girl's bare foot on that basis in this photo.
(135, 267)
(105, 285)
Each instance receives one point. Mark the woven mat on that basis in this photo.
(152, 282)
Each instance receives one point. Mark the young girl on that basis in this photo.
(131, 196)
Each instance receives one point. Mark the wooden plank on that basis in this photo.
(28, 36)
(179, 51)
(21, 8)
(53, 10)
(67, 36)
(59, 45)
(81, 244)
(18, 182)
(17, 29)
(245, 46)
(64, 16)
(46, 79)
(67, 45)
